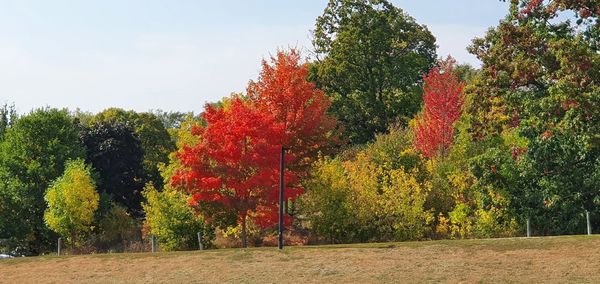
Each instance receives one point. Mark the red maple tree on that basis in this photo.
(236, 163)
(283, 90)
(443, 100)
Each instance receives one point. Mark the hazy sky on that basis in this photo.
(176, 54)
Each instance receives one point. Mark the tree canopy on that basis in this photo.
(370, 57)
(32, 155)
(115, 151)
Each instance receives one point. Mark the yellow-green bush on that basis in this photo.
(172, 220)
(72, 200)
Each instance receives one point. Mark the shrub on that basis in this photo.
(172, 220)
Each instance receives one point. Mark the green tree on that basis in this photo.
(541, 76)
(326, 202)
(32, 155)
(72, 200)
(8, 116)
(115, 151)
(155, 140)
(171, 119)
(172, 220)
(370, 57)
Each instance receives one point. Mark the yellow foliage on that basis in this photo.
(72, 200)
(443, 225)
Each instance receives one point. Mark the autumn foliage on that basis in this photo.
(283, 90)
(443, 100)
(236, 162)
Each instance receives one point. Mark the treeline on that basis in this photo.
(384, 142)
(56, 161)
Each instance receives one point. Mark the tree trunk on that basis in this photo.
(244, 237)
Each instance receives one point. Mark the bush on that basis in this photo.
(115, 228)
(374, 194)
(173, 221)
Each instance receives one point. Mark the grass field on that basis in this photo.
(549, 260)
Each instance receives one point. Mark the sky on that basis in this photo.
(176, 55)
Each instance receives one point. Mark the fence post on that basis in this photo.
(528, 228)
(589, 225)
(59, 245)
(153, 240)
(200, 245)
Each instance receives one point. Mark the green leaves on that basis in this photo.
(541, 73)
(170, 218)
(373, 194)
(32, 155)
(370, 58)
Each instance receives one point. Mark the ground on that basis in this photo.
(521, 260)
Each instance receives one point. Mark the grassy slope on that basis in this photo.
(551, 259)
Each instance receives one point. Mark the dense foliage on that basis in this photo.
(443, 100)
(375, 194)
(370, 59)
(33, 153)
(72, 200)
(541, 78)
(115, 151)
(236, 163)
(283, 90)
(155, 140)
(381, 144)
(170, 218)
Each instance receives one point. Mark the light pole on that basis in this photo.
(281, 195)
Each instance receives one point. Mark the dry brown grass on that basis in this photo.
(535, 260)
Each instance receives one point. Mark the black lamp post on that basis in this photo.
(281, 196)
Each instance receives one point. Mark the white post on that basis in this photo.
(589, 225)
(200, 245)
(528, 228)
(59, 245)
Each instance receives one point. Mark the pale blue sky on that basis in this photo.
(176, 54)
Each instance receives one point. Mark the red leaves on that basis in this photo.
(443, 100)
(236, 162)
(547, 134)
(532, 5)
(518, 152)
(283, 90)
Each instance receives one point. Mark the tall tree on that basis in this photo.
(370, 57)
(283, 90)
(115, 151)
(541, 76)
(235, 163)
(443, 101)
(32, 155)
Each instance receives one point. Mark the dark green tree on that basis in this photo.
(370, 57)
(115, 151)
(32, 155)
(156, 142)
